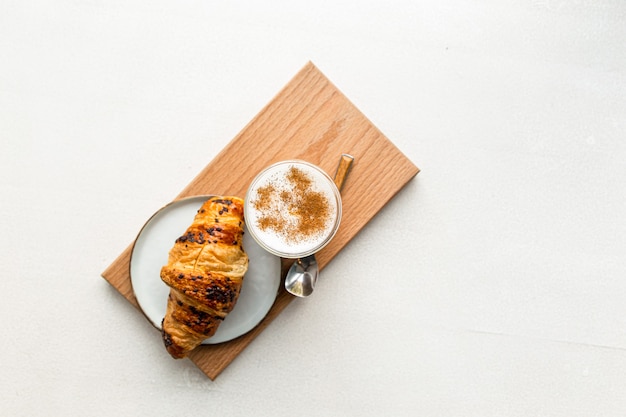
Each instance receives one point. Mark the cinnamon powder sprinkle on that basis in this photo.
(295, 214)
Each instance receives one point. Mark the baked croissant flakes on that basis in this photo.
(204, 272)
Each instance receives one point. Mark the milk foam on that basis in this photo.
(276, 177)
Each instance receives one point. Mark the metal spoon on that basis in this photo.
(302, 276)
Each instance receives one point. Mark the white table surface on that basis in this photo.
(494, 284)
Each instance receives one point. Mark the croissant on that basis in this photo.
(205, 272)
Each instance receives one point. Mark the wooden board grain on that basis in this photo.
(309, 119)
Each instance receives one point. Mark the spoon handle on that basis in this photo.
(342, 170)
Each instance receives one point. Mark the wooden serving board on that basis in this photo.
(309, 119)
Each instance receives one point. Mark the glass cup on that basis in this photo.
(292, 209)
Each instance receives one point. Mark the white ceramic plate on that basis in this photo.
(150, 253)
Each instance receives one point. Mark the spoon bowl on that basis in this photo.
(302, 276)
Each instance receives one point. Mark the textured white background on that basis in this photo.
(494, 284)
